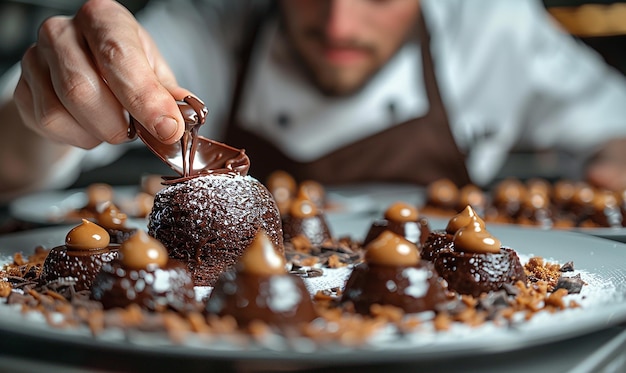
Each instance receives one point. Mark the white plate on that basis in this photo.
(52, 207)
(370, 199)
(346, 203)
(600, 261)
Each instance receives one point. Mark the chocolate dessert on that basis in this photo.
(402, 219)
(535, 202)
(283, 188)
(314, 191)
(208, 214)
(392, 274)
(208, 221)
(113, 220)
(259, 288)
(143, 275)
(305, 220)
(97, 194)
(443, 239)
(606, 210)
(471, 195)
(473, 261)
(441, 198)
(78, 262)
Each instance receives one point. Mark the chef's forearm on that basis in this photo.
(25, 157)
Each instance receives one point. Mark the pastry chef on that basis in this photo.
(333, 90)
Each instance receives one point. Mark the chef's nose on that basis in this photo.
(342, 19)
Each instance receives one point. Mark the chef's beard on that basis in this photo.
(337, 81)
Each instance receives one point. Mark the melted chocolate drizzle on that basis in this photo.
(193, 155)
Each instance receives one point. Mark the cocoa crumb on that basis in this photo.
(258, 329)
(18, 259)
(198, 323)
(175, 326)
(555, 299)
(95, 322)
(442, 322)
(539, 270)
(5, 288)
(386, 312)
(335, 262)
(301, 244)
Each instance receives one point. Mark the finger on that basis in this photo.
(78, 85)
(43, 112)
(161, 68)
(113, 37)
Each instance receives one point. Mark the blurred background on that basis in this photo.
(601, 24)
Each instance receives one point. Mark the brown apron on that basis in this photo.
(418, 151)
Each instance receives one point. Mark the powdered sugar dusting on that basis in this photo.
(208, 221)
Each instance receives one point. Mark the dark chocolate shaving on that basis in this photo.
(573, 284)
(567, 267)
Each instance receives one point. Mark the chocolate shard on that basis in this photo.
(573, 284)
(567, 267)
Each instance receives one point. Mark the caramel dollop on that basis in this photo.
(98, 193)
(283, 188)
(583, 195)
(87, 236)
(303, 208)
(536, 201)
(463, 218)
(473, 196)
(142, 251)
(540, 186)
(111, 217)
(390, 249)
(509, 191)
(151, 184)
(261, 258)
(314, 192)
(563, 191)
(280, 179)
(143, 204)
(475, 238)
(401, 212)
(443, 192)
(604, 199)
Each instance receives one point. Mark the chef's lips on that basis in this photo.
(193, 155)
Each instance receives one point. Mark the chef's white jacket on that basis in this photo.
(508, 75)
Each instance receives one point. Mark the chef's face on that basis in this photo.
(342, 43)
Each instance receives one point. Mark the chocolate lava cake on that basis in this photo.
(305, 219)
(403, 219)
(143, 275)
(207, 221)
(470, 259)
(111, 218)
(86, 249)
(259, 288)
(393, 274)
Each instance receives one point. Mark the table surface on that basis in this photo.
(602, 351)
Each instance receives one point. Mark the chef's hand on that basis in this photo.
(608, 168)
(84, 73)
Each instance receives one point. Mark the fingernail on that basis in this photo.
(165, 127)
